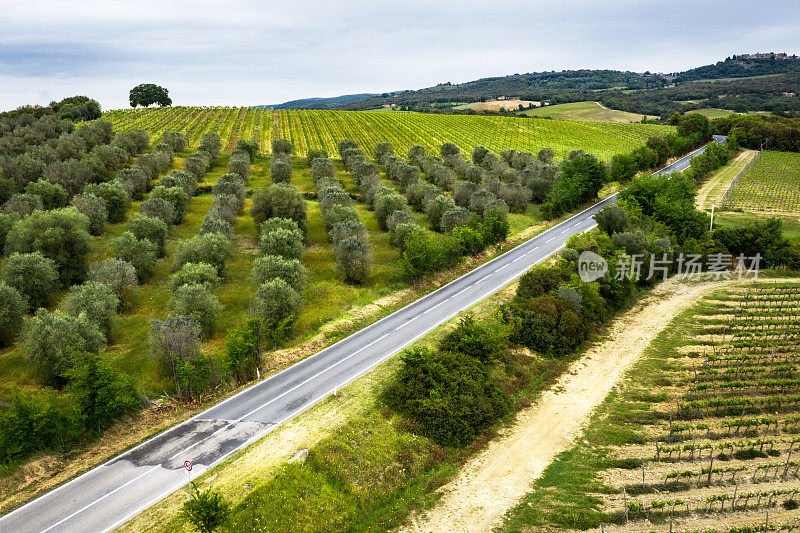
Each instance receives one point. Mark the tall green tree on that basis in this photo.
(146, 94)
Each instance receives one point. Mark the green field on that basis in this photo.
(772, 183)
(588, 111)
(712, 112)
(308, 129)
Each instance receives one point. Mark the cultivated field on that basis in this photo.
(496, 105)
(309, 129)
(704, 435)
(712, 112)
(590, 111)
(772, 183)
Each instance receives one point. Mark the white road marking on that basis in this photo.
(435, 306)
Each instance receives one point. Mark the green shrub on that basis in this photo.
(142, 254)
(197, 302)
(243, 349)
(454, 218)
(116, 199)
(283, 242)
(449, 397)
(23, 204)
(478, 340)
(175, 196)
(195, 274)
(54, 339)
(33, 275)
(119, 275)
(547, 324)
(282, 146)
(61, 235)
(152, 229)
(277, 303)
(13, 307)
(134, 181)
(211, 248)
(53, 196)
(7, 221)
(97, 301)
(353, 259)
(279, 200)
(291, 271)
(495, 227)
(313, 154)
(158, 208)
(94, 208)
(206, 510)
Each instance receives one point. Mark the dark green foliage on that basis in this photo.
(381, 152)
(97, 301)
(152, 229)
(243, 349)
(94, 208)
(177, 197)
(479, 199)
(175, 343)
(322, 167)
(495, 226)
(206, 510)
(197, 302)
(195, 274)
(547, 324)
(116, 199)
(211, 248)
(580, 180)
(101, 393)
(280, 170)
(516, 196)
(353, 259)
(33, 275)
(453, 218)
(623, 167)
(478, 340)
(425, 253)
(760, 237)
(54, 339)
(13, 307)
(250, 147)
(53, 196)
(478, 153)
(462, 191)
(158, 208)
(142, 254)
(451, 397)
(291, 271)
(232, 184)
(61, 235)
(283, 242)
(282, 146)
(403, 231)
(146, 94)
(277, 304)
(117, 274)
(400, 216)
(279, 201)
(38, 421)
(612, 219)
(540, 280)
(315, 154)
(387, 204)
(23, 205)
(180, 178)
(438, 207)
(176, 140)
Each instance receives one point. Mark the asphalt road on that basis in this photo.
(108, 495)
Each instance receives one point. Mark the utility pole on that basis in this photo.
(711, 226)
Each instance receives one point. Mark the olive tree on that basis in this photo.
(283, 242)
(53, 195)
(516, 196)
(23, 204)
(116, 199)
(277, 304)
(33, 275)
(280, 170)
(291, 271)
(152, 229)
(348, 228)
(279, 200)
(177, 197)
(386, 205)
(282, 146)
(249, 147)
(175, 343)
(322, 167)
(141, 253)
(197, 302)
(456, 217)
(13, 307)
(353, 259)
(97, 301)
(176, 141)
(158, 208)
(211, 248)
(53, 339)
(438, 207)
(195, 274)
(180, 178)
(61, 235)
(94, 208)
(280, 223)
(314, 154)
(119, 276)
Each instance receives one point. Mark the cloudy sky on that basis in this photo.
(242, 52)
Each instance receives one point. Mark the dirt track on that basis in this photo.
(497, 479)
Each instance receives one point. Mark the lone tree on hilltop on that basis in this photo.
(149, 93)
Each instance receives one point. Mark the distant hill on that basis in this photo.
(748, 82)
(321, 103)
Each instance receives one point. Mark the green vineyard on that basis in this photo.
(771, 183)
(309, 129)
